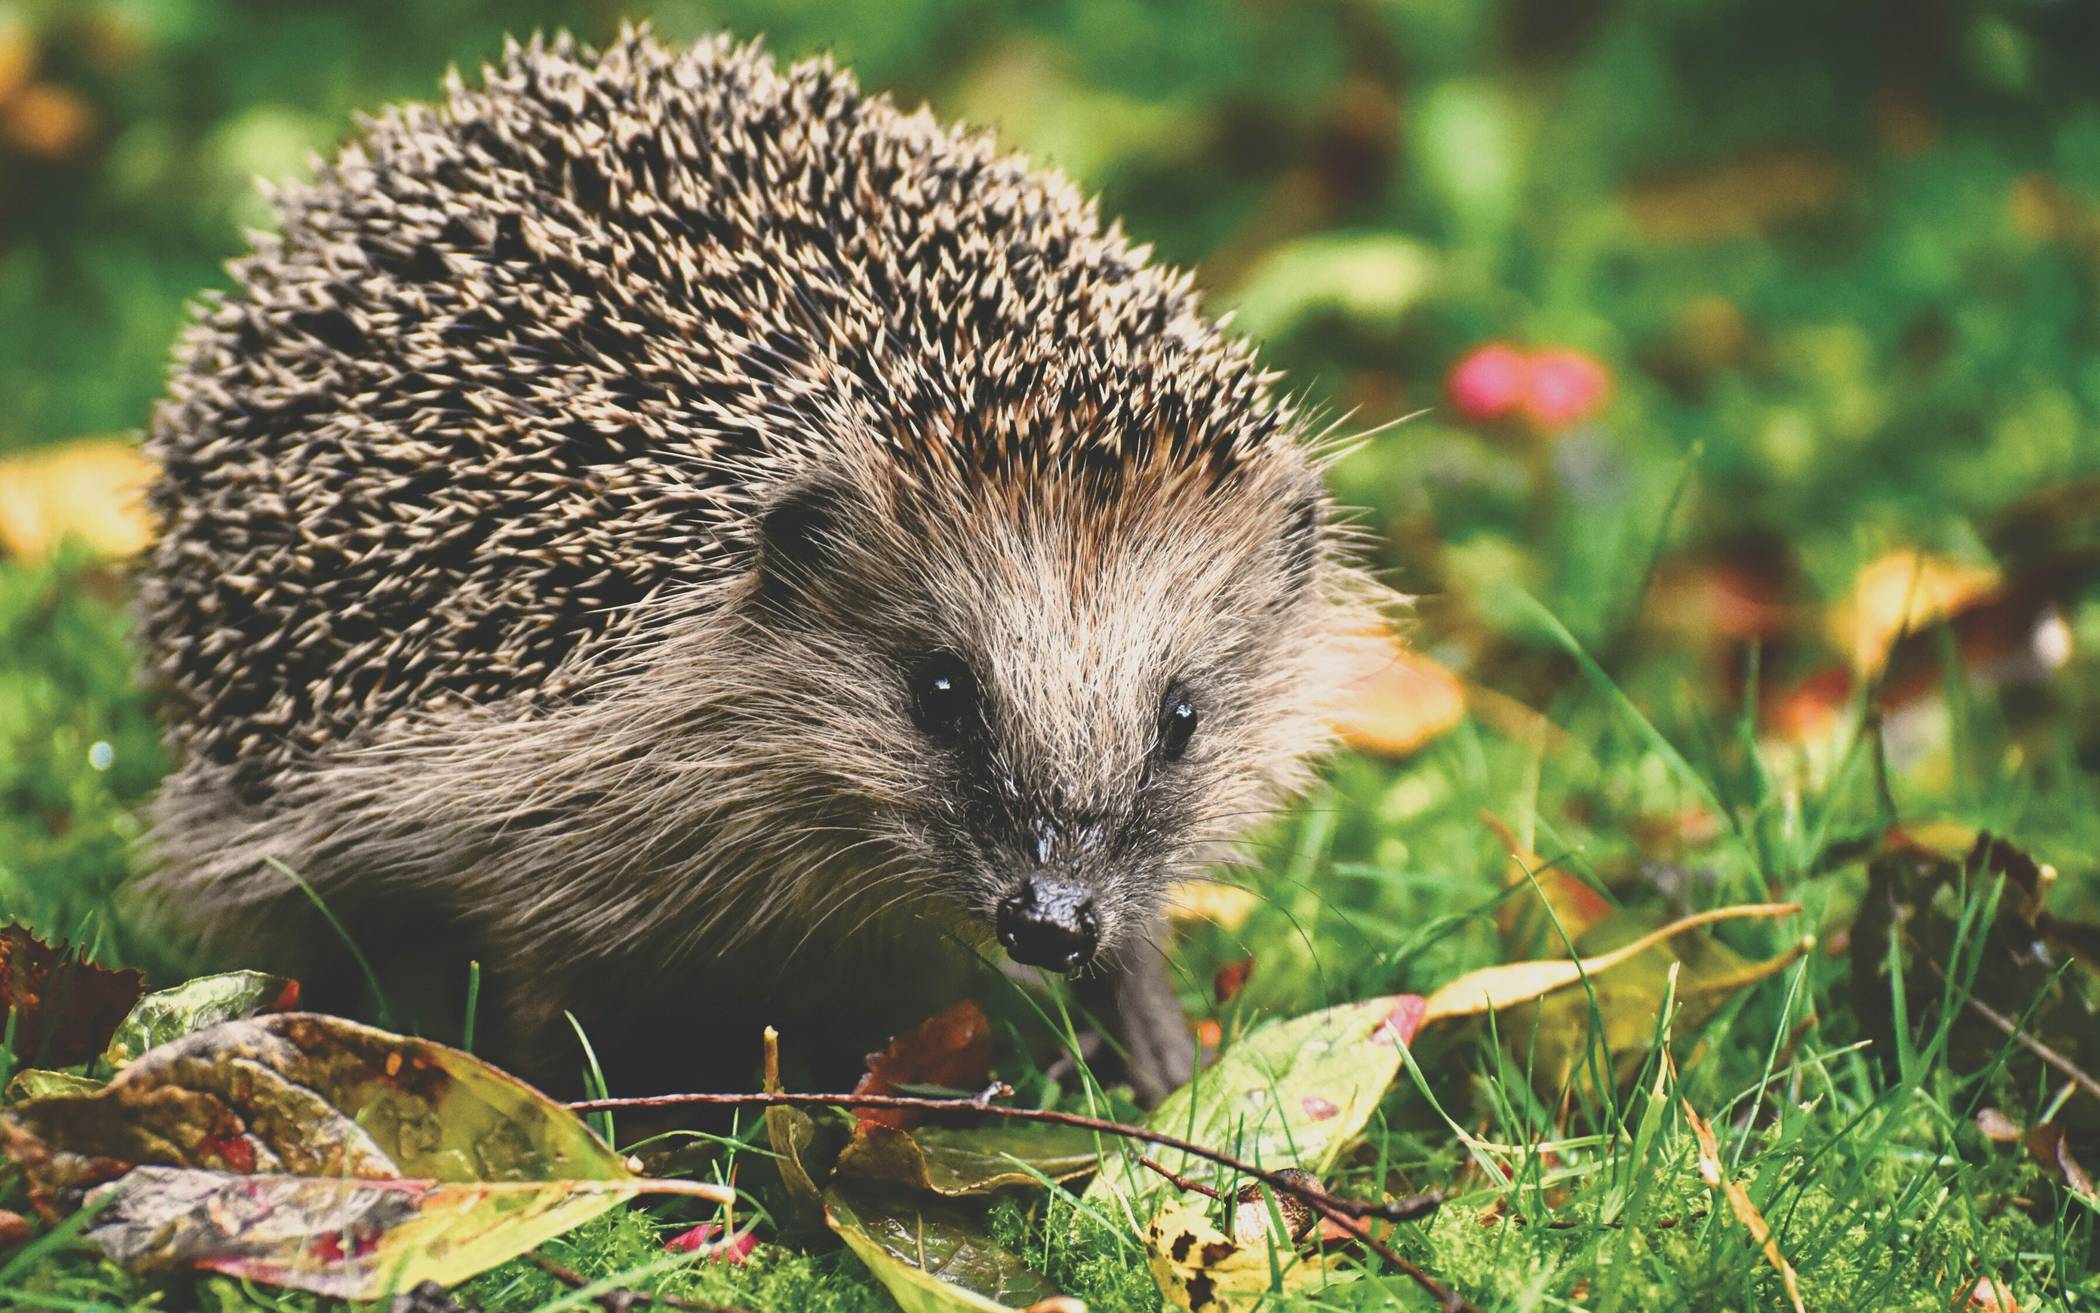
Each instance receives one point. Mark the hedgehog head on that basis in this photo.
(1046, 698)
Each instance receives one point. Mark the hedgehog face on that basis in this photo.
(1053, 706)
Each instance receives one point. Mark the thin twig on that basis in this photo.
(1346, 1213)
(619, 1301)
(2069, 1069)
(1183, 1182)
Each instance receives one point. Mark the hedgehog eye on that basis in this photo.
(1177, 722)
(943, 695)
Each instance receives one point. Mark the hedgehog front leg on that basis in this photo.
(1135, 999)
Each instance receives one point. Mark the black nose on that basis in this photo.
(1049, 923)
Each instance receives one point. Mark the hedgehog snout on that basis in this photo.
(1049, 922)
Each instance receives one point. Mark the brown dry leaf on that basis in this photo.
(2052, 1150)
(952, 1048)
(65, 1007)
(91, 490)
(1390, 700)
(1901, 592)
(1739, 1203)
(1491, 989)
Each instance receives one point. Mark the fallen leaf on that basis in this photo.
(1203, 1270)
(952, 1049)
(15, 1229)
(1231, 979)
(1226, 906)
(2052, 1150)
(1998, 1128)
(39, 1083)
(1902, 592)
(47, 119)
(92, 490)
(1710, 1171)
(1337, 1062)
(972, 1160)
(1552, 907)
(707, 1238)
(933, 1256)
(1987, 1296)
(345, 1237)
(64, 1006)
(1491, 989)
(169, 1014)
(792, 1133)
(316, 1153)
(1390, 700)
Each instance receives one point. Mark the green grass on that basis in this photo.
(1843, 282)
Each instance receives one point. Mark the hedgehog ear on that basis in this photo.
(799, 532)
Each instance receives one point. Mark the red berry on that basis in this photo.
(1565, 387)
(1490, 382)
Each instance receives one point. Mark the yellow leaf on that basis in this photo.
(1224, 905)
(1493, 988)
(1902, 592)
(1739, 1203)
(91, 490)
(1202, 1269)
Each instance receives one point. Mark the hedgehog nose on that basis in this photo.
(1049, 923)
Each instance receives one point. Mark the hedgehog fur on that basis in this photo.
(550, 508)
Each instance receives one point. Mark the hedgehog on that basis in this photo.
(716, 549)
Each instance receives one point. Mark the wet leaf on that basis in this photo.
(64, 1006)
(1202, 1269)
(1287, 1094)
(91, 491)
(1712, 1172)
(169, 1014)
(972, 1160)
(933, 1256)
(952, 1049)
(1491, 989)
(295, 1148)
(350, 1238)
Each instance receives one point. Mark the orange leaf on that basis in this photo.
(952, 1048)
(1739, 1203)
(1390, 700)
